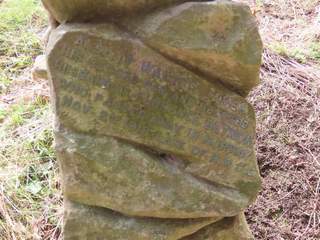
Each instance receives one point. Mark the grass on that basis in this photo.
(287, 105)
(19, 40)
(312, 52)
(18, 114)
(290, 28)
(315, 50)
(30, 197)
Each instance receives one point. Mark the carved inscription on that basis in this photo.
(123, 89)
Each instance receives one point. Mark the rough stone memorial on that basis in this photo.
(154, 136)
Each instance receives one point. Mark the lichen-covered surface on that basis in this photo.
(106, 172)
(80, 10)
(218, 40)
(146, 130)
(112, 85)
(83, 223)
(234, 228)
(117, 226)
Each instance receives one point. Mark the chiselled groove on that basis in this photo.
(104, 166)
(162, 158)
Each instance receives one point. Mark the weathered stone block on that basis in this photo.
(107, 83)
(153, 134)
(218, 40)
(39, 70)
(106, 172)
(91, 223)
(235, 228)
(83, 10)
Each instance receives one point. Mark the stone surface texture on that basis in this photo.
(39, 70)
(218, 40)
(154, 137)
(81, 10)
(101, 223)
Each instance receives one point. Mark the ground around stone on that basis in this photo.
(287, 105)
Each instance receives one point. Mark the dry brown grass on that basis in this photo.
(290, 27)
(30, 198)
(287, 104)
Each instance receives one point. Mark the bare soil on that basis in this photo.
(287, 105)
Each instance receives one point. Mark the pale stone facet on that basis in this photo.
(39, 70)
(218, 40)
